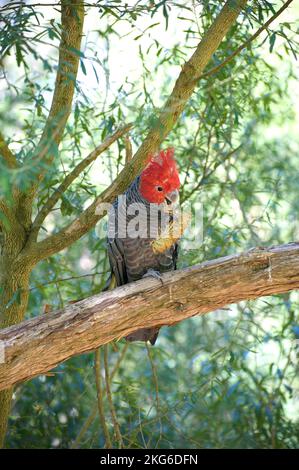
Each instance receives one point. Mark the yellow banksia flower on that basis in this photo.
(174, 231)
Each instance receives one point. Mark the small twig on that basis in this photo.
(86, 425)
(40, 286)
(207, 175)
(110, 401)
(141, 430)
(76, 172)
(216, 69)
(98, 377)
(156, 384)
(91, 417)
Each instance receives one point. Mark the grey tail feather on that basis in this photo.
(144, 334)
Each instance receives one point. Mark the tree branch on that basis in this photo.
(117, 432)
(72, 17)
(90, 418)
(7, 155)
(37, 345)
(246, 43)
(98, 377)
(163, 123)
(10, 223)
(207, 175)
(5, 211)
(129, 149)
(75, 173)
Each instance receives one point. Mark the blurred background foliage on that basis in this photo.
(227, 379)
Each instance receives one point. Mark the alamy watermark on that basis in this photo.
(153, 221)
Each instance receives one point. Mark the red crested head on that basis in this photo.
(160, 181)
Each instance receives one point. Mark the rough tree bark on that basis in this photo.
(37, 345)
(14, 278)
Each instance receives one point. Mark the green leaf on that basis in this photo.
(77, 52)
(83, 67)
(272, 41)
(95, 72)
(19, 54)
(165, 14)
(66, 207)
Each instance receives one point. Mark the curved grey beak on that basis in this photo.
(173, 197)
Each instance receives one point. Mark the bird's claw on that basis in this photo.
(155, 274)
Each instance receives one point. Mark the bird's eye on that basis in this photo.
(159, 188)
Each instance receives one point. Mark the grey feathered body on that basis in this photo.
(131, 258)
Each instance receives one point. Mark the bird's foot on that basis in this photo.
(155, 274)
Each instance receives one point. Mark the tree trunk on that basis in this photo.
(14, 281)
(5, 406)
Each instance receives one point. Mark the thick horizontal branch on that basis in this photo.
(163, 123)
(37, 345)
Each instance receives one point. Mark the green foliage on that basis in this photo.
(224, 380)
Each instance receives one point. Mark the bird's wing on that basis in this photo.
(117, 261)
